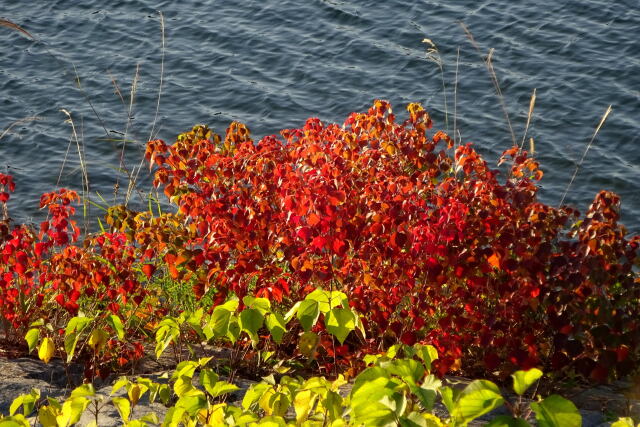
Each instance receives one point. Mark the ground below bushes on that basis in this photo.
(599, 405)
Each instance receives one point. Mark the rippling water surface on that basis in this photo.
(273, 63)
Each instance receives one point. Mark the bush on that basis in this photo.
(425, 240)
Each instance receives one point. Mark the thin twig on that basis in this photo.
(494, 79)
(584, 155)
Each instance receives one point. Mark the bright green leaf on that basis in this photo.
(340, 322)
(32, 337)
(478, 398)
(522, 380)
(308, 313)
(277, 326)
(556, 411)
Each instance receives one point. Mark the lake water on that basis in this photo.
(273, 63)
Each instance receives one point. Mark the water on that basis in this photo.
(273, 63)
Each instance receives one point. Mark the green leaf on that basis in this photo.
(308, 313)
(47, 416)
(72, 410)
(32, 338)
(192, 401)
(307, 344)
(223, 387)
(208, 379)
(368, 375)
(263, 305)
(183, 385)
(292, 312)
(427, 391)
(375, 403)
(186, 368)
(449, 396)
(151, 417)
(251, 321)
(123, 406)
(234, 329)
(340, 322)
(414, 419)
(253, 394)
(478, 398)
(302, 403)
(426, 353)
(173, 417)
(168, 330)
(15, 421)
(70, 342)
(98, 339)
(77, 324)
(85, 390)
(507, 421)
(408, 369)
(27, 401)
(328, 299)
(522, 380)
(623, 422)
(115, 322)
(277, 326)
(219, 321)
(556, 411)
(121, 382)
(272, 421)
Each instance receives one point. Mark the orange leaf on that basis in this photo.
(313, 219)
(494, 260)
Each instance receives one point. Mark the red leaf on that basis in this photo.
(148, 270)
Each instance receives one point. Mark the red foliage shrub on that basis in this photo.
(430, 246)
(426, 240)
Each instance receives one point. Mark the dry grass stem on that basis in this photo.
(136, 171)
(584, 154)
(18, 122)
(494, 78)
(433, 54)
(532, 104)
(14, 26)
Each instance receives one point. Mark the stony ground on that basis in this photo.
(599, 405)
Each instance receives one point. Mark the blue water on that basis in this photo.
(273, 63)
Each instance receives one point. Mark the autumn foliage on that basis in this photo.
(428, 242)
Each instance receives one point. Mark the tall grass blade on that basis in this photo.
(532, 104)
(494, 78)
(14, 26)
(433, 54)
(584, 154)
(18, 122)
(136, 171)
